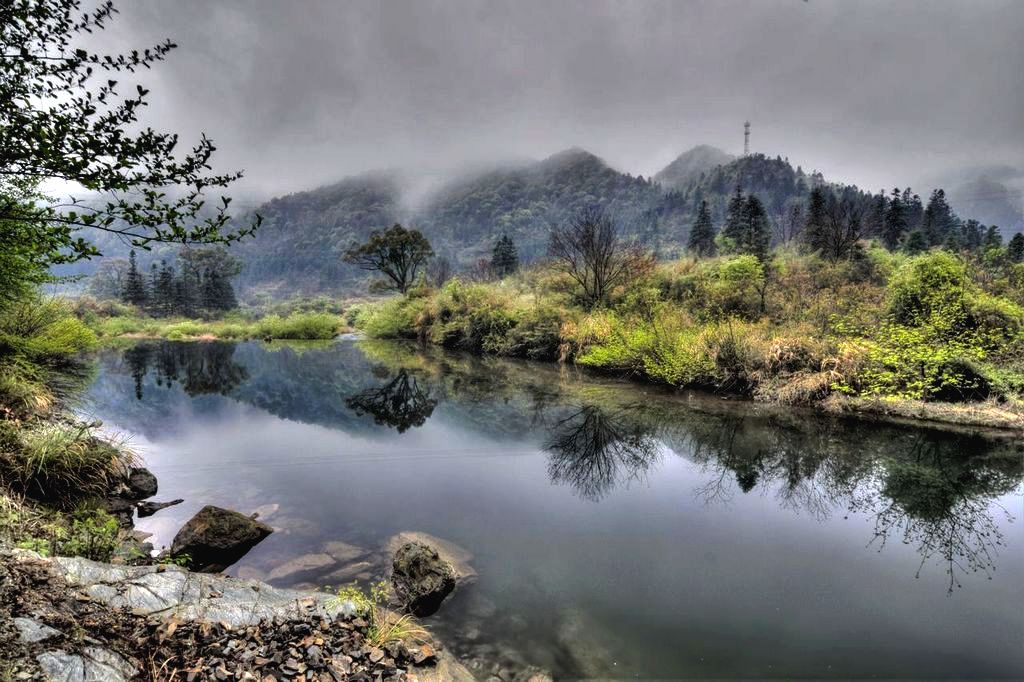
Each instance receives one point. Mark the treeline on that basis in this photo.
(835, 221)
(199, 286)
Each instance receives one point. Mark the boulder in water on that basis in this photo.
(215, 538)
(421, 578)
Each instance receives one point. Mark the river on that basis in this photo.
(617, 529)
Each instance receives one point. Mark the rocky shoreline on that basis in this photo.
(77, 620)
(175, 616)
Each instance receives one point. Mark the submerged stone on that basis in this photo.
(300, 568)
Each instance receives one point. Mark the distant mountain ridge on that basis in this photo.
(300, 246)
(688, 166)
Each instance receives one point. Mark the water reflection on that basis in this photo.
(199, 368)
(933, 490)
(594, 450)
(400, 404)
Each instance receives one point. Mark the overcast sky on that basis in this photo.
(299, 93)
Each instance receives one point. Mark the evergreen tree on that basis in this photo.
(163, 292)
(505, 258)
(134, 284)
(1015, 249)
(874, 224)
(815, 224)
(992, 237)
(938, 221)
(154, 290)
(972, 235)
(756, 233)
(895, 221)
(916, 242)
(218, 294)
(702, 235)
(734, 218)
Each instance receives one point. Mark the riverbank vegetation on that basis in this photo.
(111, 321)
(795, 325)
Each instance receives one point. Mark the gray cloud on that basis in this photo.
(302, 93)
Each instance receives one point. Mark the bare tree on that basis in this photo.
(589, 249)
(439, 271)
(842, 229)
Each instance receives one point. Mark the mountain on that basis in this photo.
(689, 165)
(466, 217)
(300, 245)
(299, 249)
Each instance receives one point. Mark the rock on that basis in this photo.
(92, 665)
(458, 557)
(141, 483)
(300, 568)
(215, 538)
(421, 578)
(34, 631)
(121, 509)
(343, 552)
(150, 508)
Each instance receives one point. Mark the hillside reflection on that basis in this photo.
(934, 490)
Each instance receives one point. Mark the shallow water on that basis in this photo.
(618, 530)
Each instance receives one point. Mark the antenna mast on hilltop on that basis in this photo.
(746, 138)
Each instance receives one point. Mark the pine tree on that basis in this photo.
(815, 225)
(992, 237)
(134, 285)
(164, 290)
(756, 234)
(505, 258)
(1015, 249)
(153, 300)
(874, 225)
(972, 235)
(895, 221)
(702, 235)
(916, 242)
(734, 218)
(938, 220)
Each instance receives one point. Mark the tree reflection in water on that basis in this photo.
(934, 490)
(594, 450)
(942, 500)
(200, 368)
(399, 404)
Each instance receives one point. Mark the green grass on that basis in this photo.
(59, 462)
(296, 325)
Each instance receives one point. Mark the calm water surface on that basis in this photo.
(618, 530)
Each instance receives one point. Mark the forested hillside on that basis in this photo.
(466, 218)
(299, 248)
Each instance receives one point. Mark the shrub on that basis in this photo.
(42, 331)
(385, 626)
(299, 326)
